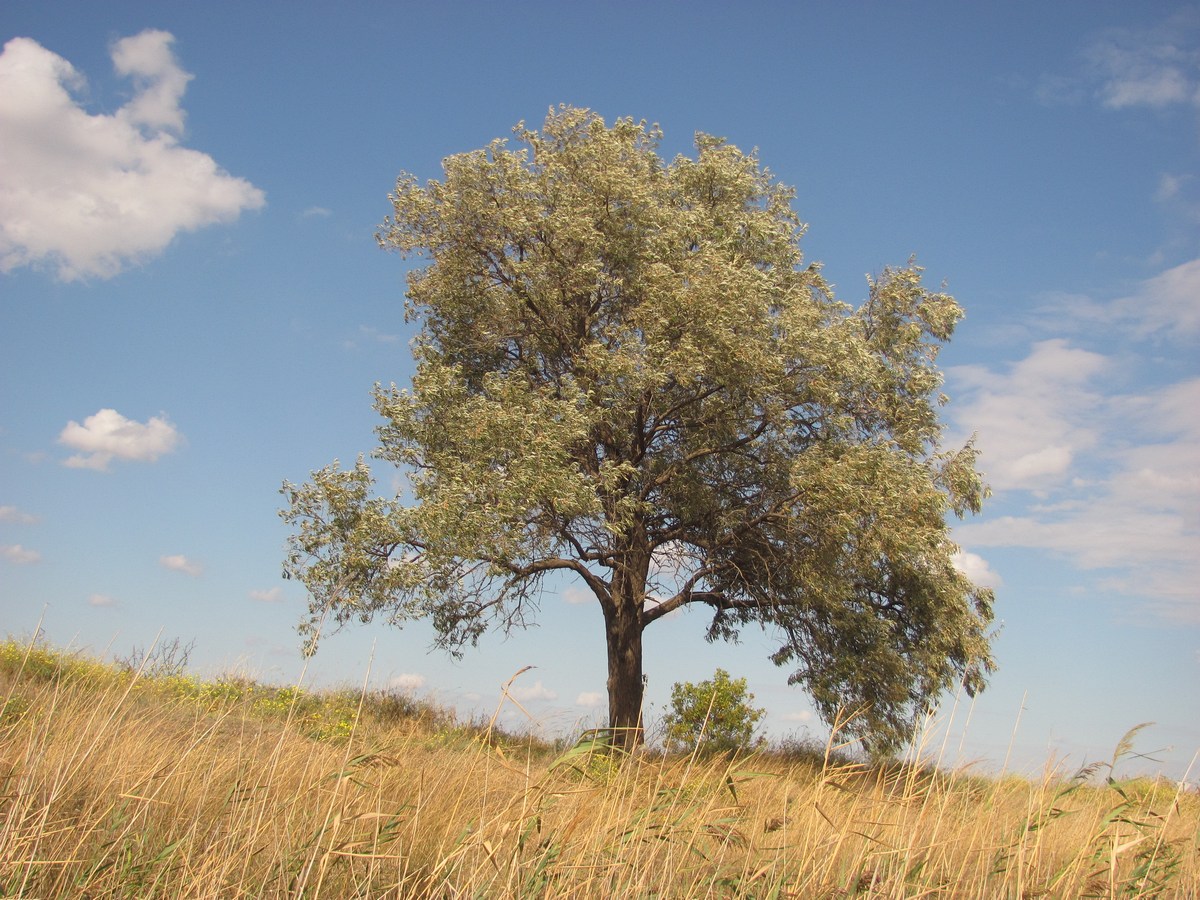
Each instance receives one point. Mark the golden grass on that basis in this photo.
(114, 785)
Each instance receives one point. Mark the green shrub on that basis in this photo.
(713, 716)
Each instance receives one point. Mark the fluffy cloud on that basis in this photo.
(180, 563)
(108, 435)
(591, 699)
(407, 682)
(268, 595)
(977, 569)
(18, 555)
(90, 194)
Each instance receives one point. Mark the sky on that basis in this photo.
(193, 309)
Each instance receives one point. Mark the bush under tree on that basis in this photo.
(716, 715)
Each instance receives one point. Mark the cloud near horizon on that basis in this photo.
(86, 194)
(407, 682)
(533, 693)
(108, 435)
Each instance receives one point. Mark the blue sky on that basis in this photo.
(193, 309)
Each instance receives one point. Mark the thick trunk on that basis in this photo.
(623, 631)
(625, 685)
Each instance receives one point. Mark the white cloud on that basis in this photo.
(536, 691)
(368, 334)
(1033, 420)
(1170, 186)
(1116, 469)
(977, 569)
(19, 555)
(407, 682)
(16, 516)
(108, 435)
(577, 596)
(318, 212)
(90, 194)
(101, 600)
(1127, 507)
(591, 699)
(1168, 303)
(180, 563)
(1157, 67)
(800, 715)
(160, 83)
(268, 595)
(1166, 306)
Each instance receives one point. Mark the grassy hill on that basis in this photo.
(120, 783)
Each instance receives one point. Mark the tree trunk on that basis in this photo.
(623, 631)
(625, 686)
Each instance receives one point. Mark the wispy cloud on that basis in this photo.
(799, 715)
(1110, 472)
(108, 435)
(268, 595)
(1157, 66)
(16, 516)
(180, 563)
(591, 699)
(368, 334)
(577, 596)
(1166, 307)
(407, 682)
(90, 194)
(102, 600)
(18, 555)
(533, 693)
(1034, 419)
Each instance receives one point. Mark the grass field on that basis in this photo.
(119, 783)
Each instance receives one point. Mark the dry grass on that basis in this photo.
(114, 785)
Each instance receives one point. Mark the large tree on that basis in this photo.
(625, 374)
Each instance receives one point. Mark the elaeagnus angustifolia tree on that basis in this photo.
(626, 374)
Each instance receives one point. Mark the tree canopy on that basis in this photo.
(625, 373)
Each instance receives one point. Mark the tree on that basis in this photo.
(716, 715)
(625, 374)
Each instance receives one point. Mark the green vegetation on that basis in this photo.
(713, 716)
(120, 785)
(626, 374)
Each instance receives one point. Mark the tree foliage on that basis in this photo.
(714, 715)
(625, 373)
